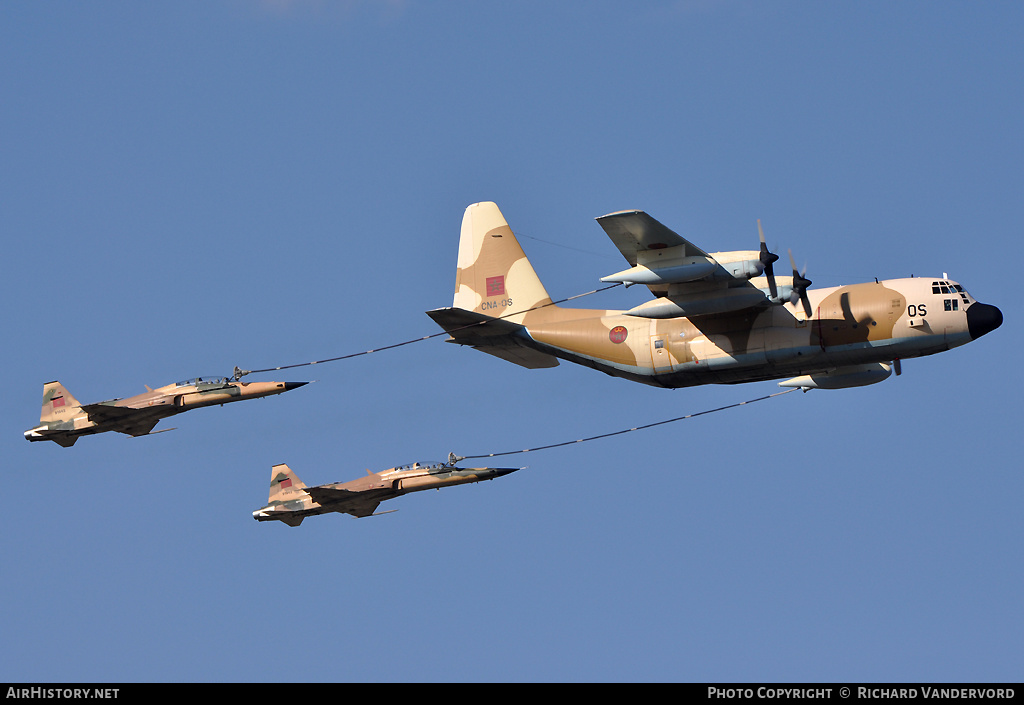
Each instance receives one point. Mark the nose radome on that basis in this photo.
(294, 385)
(982, 319)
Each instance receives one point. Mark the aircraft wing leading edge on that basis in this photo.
(345, 501)
(631, 231)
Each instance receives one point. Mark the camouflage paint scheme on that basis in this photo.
(852, 337)
(63, 419)
(291, 501)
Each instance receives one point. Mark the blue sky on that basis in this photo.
(192, 186)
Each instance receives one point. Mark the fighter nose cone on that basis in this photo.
(501, 472)
(982, 319)
(295, 385)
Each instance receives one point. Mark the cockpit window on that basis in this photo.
(945, 287)
(422, 466)
(202, 380)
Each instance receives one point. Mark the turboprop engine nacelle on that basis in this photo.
(739, 264)
(668, 266)
(842, 377)
(783, 288)
(698, 304)
(678, 272)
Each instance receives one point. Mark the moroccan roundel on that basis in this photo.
(617, 334)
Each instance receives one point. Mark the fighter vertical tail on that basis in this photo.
(57, 403)
(285, 485)
(288, 493)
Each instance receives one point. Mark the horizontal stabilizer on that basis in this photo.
(493, 336)
(471, 328)
(524, 357)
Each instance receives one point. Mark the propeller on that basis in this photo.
(767, 259)
(800, 284)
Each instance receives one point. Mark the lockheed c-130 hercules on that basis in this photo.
(717, 318)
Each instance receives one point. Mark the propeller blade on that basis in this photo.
(807, 304)
(800, 284)
(767, 260)
(769, 272)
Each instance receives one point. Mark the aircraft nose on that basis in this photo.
(982, 319)
(295, 385)
(501, 472)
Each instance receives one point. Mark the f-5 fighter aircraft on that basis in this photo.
(717, 318)
(63, 419)
(291, 501)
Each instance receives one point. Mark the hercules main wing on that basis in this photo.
(686, 280)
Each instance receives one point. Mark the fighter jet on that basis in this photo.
(291, 501)
(63, 419)
(717, 318)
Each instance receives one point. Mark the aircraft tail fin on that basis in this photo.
(494, 277)
(285, 485)
(57, 402)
